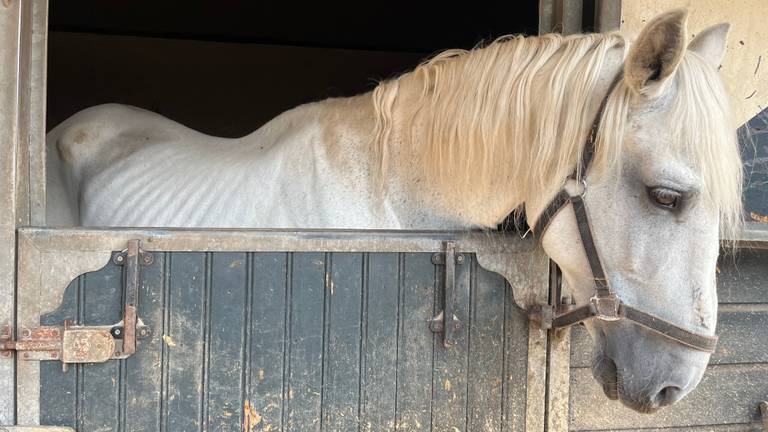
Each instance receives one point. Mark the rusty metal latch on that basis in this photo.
(446, 322)
(88, 344)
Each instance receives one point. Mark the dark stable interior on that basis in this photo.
(227, 67)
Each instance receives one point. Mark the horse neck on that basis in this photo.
(485, 206)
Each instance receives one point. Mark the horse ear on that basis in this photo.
(710, 43)
(654, 57)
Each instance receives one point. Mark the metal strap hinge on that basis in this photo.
(87, 344)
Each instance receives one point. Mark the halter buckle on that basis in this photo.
(606, 308)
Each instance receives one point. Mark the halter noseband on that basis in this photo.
(604, 305)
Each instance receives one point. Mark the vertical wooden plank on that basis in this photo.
(144, 371)
(227, 332)
(449, 384)
(558, 387)
(380, 342)
(568, 14)
(607, 15)
(22, 96)
(521, 364)
(486, 351)
(58, 390)
(546, 16)
(268, 337)
(10, 22)
(536, 379)
(30, 164)
(341, 374)
(99, 390)
(304, 393)
(184, 339)
(415, 361)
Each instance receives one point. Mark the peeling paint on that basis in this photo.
(329, 283)
(251, 418)
(758, 217)
(169, 341)
(747, 42)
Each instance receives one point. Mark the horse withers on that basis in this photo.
(458, 143)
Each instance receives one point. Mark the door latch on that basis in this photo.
(88, 344)
(447, 322)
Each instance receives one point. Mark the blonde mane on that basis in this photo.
(469, 119)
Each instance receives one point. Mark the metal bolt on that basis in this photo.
(119, 258)
(117, 331)
(459, 258)
(148, 259)
(143, 332)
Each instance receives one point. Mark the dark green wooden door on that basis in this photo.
(295, 342)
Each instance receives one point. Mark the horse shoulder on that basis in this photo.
(96, 138)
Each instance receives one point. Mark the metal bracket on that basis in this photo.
(446, 322)
(606, 308)
(87, 344)
(543, 315)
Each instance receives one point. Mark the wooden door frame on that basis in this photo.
(23, 45)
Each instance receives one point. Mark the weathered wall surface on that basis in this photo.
(745, 66)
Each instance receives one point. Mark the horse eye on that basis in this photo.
(666, 198)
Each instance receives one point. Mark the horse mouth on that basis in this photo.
(642, 407)
(604, 371)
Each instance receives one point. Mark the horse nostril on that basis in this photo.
(668, 395)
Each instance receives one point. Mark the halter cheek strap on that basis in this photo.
(604, 304)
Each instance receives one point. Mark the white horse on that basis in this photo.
(458, 143)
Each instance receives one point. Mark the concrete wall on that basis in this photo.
(745, 66)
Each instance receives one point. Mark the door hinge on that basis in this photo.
(70, 343)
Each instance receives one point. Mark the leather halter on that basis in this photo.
(604, 305)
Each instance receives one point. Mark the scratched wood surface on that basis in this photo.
(296, 342)
(735, 382)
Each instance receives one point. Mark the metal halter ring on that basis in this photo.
(583, 182)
